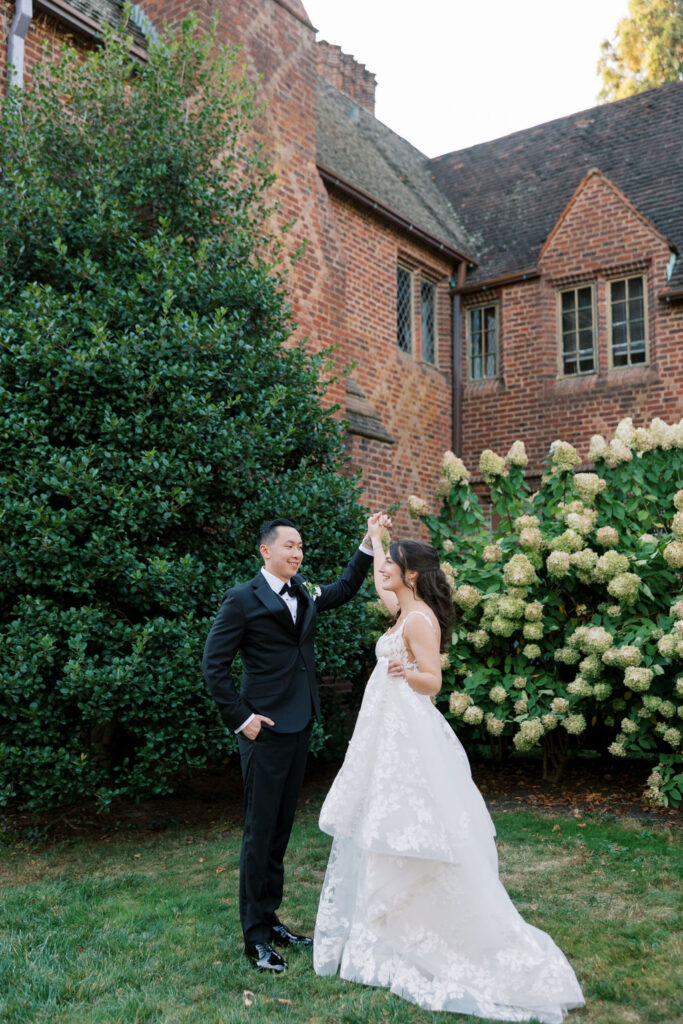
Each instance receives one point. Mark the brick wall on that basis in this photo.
(599, 237)
(411, 397)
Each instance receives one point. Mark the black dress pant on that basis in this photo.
(273, 767)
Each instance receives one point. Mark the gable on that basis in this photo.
(510, 193)
(599, 229)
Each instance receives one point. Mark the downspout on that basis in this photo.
(456, 321)
(15, 42)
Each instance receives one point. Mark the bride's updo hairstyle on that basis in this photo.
(431, 585)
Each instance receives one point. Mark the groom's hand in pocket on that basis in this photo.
(252, 730)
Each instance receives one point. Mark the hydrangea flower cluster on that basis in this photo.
(517, 455)
(459, 702)
(584, 563)
(610, 564)
(607, 536)
(526, 522)
(574, 724)
(622, 657)
(590, 666)
(530, 732)
(491, 465)
(467, 597)
(625, 587)
(502, 626)
(638, 678)
(568, 541)
(530, 539)
(454, 469)
(511, 607)
(494, 726)
(598, 448)
(581, 522)
(672, 737)
(519, 572)
(557, 563)
(492, 553)
(564, 456)
(532, 631)
(567, 655)
(498, 694)
(479, 639)
(673, 554)
(588, 486)
(417, 506)
(617, 452)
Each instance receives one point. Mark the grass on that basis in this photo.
(132, 928)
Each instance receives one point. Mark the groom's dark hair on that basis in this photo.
(267, 531)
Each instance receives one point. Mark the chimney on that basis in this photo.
(347, 74)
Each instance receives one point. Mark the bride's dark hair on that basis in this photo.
(431, 584)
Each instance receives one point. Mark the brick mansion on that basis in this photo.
(529, 287)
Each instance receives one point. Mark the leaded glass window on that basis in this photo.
(428, 295)
(578, 335)
(404, 309)
(483, 342)
(627, 309)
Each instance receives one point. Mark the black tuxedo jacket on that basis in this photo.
(278, 675)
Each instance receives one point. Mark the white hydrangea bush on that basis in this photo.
(569, 601)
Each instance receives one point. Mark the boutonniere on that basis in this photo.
(311, 589)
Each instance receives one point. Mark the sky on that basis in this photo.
(452, 73)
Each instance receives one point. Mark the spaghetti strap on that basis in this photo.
(424, 615)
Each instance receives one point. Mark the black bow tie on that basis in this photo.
(289, 588)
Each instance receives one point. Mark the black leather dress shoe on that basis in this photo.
(264, 957)
(281, 936)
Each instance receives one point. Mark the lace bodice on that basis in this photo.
(392, 643)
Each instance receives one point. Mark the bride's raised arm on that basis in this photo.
(376, 526)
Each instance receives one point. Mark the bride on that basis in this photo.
(411, 899)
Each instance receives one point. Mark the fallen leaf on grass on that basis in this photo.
(218, 870)
(248, 997)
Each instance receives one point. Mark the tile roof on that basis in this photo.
(510, 192)
(365, 154)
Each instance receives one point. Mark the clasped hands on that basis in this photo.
(377, 524)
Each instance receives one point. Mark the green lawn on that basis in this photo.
(125, 929)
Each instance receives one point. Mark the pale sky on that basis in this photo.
(452, 73)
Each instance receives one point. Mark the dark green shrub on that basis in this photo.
(151, 415)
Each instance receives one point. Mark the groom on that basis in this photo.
(271, 621)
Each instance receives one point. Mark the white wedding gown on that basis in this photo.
(411, 899)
